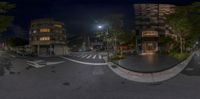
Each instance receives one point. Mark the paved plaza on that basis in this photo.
(147, 63)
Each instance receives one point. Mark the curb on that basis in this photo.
(150, 77)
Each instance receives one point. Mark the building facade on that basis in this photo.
(48, 37)
(150, 24)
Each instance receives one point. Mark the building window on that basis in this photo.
(44, 38)
(57, 25)
(34, 31)
(44, 30)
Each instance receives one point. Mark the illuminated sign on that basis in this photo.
(150, 34)
(44, 30)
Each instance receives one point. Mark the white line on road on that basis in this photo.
(55, 63)
(100, 57)
(89, 56)
(94, 57)
(41, 63)
(84, 56)
(86, 63)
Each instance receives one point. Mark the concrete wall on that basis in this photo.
(60, 50)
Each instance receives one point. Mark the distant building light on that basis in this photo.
(44, 38)
(150, 34)
(34, 31)
(57, 25)
(44, 30)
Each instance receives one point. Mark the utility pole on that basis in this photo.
(107, 32)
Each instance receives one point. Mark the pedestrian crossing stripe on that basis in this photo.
(94, 56)
(100, 57)
(89, 56)
(84, 56)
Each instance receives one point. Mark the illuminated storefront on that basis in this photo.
(149, 41)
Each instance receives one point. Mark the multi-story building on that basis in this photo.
(150, 23)
(47, 37)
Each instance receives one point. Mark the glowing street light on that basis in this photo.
(100, 27)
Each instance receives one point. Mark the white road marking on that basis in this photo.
(54, 63)
(89, 56)
(100, 57)
(84, 56)
(94, 57)
(86, 63)
(41, 63)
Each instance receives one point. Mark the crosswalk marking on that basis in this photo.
(94, 56)
(89, 56)
(100, 57)
(99, 72)
(84, 56)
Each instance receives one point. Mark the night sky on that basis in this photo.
(78, 15)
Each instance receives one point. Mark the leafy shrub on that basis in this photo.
(179, 56)
(117, 56)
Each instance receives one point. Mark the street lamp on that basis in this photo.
(100, 27)
(106, 35)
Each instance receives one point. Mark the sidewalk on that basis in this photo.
(147, 63)
(152, 77)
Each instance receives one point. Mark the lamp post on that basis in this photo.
(106, 35)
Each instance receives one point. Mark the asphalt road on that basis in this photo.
(71, 80)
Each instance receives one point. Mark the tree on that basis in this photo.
(194, 19)
(15, 42)
(114, 24)
(185, 23)
(5, 19)
(181, 27)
